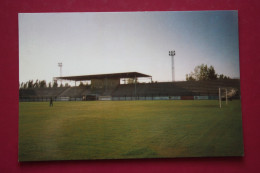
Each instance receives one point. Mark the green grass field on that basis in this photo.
(129, 129)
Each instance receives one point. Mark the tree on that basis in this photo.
(36, 84)
(61, 85)
(203, 72)
(189, 78)
(131, 80)
(25, 85)
(49, 85)
(30, 84)
(223, 77)
(67, 85)
(55, 84)
(81, 84)
(42, 84)
(211, 73)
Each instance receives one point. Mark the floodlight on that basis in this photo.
(172, 53)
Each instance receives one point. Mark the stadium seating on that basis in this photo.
(182, 88)
(41, 92)
(73, 92)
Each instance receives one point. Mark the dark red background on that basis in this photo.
(249, 28)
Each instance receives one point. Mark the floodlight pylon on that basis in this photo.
(60, 65)
(172, 54)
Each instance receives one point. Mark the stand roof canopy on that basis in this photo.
(103, 76)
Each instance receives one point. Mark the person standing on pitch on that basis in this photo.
(51, 102)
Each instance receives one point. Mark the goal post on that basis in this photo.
(226, 97)
(220, 97)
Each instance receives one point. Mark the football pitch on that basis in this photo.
(129, 129)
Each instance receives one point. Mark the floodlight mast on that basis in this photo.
(60, 65)
(172, 53)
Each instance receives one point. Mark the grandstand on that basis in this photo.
(108, 85)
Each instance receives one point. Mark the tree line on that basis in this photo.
(205, 72)
(41, 84)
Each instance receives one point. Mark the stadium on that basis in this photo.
(108, 87)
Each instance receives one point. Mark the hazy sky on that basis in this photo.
(97, 43)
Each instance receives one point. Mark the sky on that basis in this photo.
(115, 42)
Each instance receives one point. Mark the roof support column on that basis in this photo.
(135, 87)
(105, 84)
